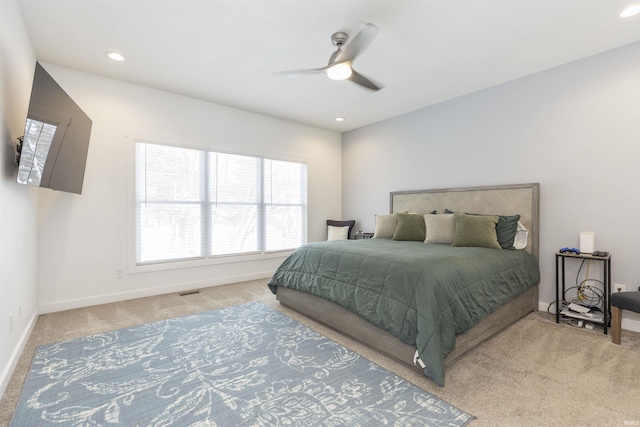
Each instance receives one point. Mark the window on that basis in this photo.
(197, 204)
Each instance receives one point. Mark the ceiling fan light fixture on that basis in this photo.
(340, 71)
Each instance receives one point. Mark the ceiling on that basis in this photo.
(227, 52)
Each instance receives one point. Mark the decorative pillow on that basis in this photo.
(440, 228)
(385, 226)
(522, 235)
(337, 233)
(505, 229)
(410, 227)
(476, 230)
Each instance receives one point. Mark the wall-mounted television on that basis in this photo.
(53, 152)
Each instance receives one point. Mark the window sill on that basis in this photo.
(205, 262)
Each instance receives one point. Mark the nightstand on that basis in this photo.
(362, 235)
(606, 284)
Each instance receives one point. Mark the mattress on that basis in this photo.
(424, 294)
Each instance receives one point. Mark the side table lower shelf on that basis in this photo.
(597, 317)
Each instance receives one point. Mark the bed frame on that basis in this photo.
(517, 199)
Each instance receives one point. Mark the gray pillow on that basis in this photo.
(410, 227)
(476, 231)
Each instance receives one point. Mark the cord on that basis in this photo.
(591, 295)
(587, 294)
(557, 308)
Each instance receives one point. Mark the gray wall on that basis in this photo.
(575, 129)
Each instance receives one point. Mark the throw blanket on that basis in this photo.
(424, 294)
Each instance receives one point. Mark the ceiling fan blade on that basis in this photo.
(358, 44)
(303, 71)
(333, 57)
(363, 81)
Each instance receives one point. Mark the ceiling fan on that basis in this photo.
(341, 61)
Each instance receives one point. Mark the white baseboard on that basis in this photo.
(149, 292)
(627, 323)
(630, 324)
(5, 376)
(544, 306)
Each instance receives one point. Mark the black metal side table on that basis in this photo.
(606, 260)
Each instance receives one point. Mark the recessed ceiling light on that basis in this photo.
(339, 119)
(630, 11)
(115, 56)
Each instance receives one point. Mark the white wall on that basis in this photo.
(18, 204)
(575, 129)
(84, 238)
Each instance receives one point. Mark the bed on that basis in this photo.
(422, 304)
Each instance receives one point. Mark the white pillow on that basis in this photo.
(337, 233)
(522, 234)
(385, 226)
(440, 228)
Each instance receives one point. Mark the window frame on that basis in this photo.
(134, 267)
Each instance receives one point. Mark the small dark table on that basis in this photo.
(362, 235)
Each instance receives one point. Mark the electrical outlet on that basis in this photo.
(619, 288)
(19, 311)
(10, 322)
(119, 273)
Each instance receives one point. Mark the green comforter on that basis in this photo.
(424, 294)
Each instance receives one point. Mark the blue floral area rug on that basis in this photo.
(248, 365)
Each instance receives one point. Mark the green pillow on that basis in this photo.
(476, 231)
(505, 229)
(410, 227)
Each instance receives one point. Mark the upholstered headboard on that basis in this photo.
(516, 199)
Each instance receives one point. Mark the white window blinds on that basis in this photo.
(285, 192)
(169, 203)
(235, 203)
(199, 204)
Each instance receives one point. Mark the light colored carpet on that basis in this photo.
(535, 373)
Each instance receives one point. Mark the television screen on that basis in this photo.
(56, 138)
